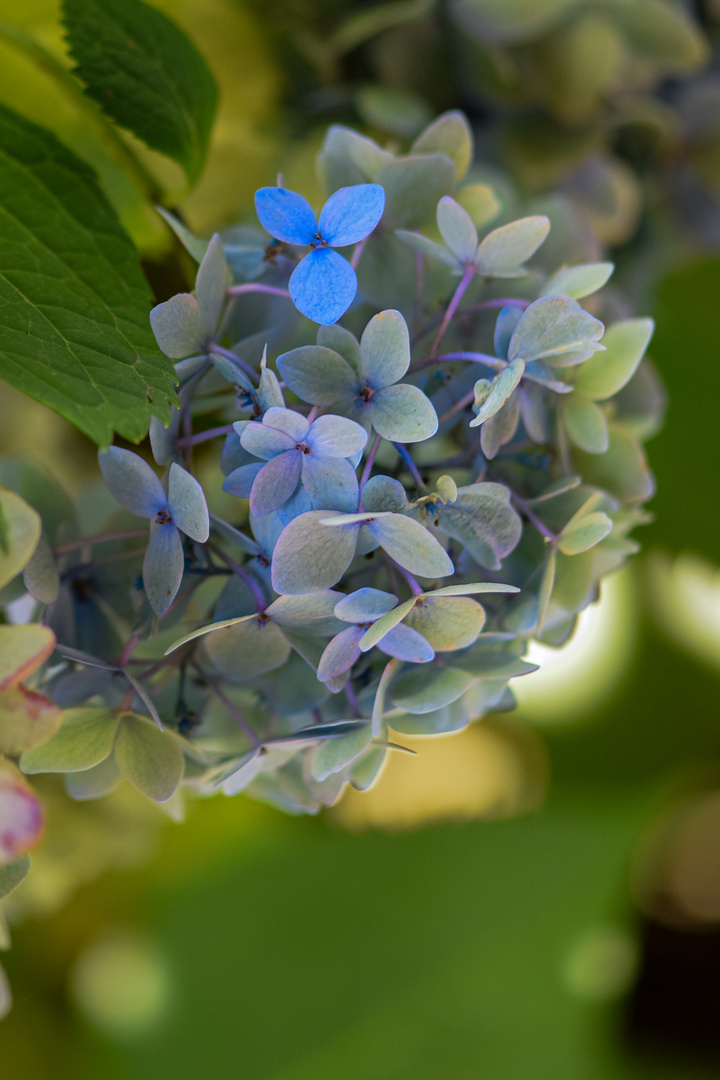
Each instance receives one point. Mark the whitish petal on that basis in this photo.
(210, 284)
(323, 286)
(286, 215)
(364, 605)
(330, 482)
(240, 481)
(293, 424)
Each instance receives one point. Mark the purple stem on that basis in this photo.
(359, 248)
(272, 290)
(203, 436)
(488, 305)
(368, 469)
(445, 358)
(457, 407)
(533, 518)
(250, 581)
(102, 538)
(229, 355)
(411, 466)
(452, 307)
(415, 586)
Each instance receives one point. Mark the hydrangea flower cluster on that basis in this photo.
(360, 526)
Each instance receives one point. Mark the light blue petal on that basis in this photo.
(411, 545)
(286, 215)
(187, 505)
(240, 480)
(295, 506)
(309, 556)
(233, 453)
(406, 644)
(385, 349)
(330, 482)
(403, 414)
(507, 320)
(179, 327)
(265, 442)
(365, 605)
(319, 375)
(351, 214)
(336, 436)
(132, 482)
(293, 424)
(275, 483)
(323, 286)
(210, 284)
(341, 653)
(163, 568)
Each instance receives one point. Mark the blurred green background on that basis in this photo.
(539, 896)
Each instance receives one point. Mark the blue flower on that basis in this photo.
(323, 284)
(137, 488)
(293, 450)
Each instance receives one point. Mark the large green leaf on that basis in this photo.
(145, 74)
(150, 759)
(74, 304)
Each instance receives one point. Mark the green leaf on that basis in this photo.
(480, 202)
(335, 754)
(504, 250)
(21, 532)
(578, 281)
(145, 74)
(93, 783)
(385, 623)
(585, 423)
(11, 874)
(545, 591)
(84, 739)
(433, 250)
(41, 575)
(584, 534)
(151, 760)
(606, 373)
(413, 185)
(74, 326)
(22, 650)
(424, 689)
(449, 134)
(622, 470)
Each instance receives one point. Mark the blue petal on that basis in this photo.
(340, 654)
(351, 214)
(240, 480)
(163, 568)
(186, 502)
(406, 644)
(293, 424)
(507, 320)
(285, 215)
(132, 482)
(275, 483)
(323, 286)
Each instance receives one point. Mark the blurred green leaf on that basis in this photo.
(75, 330)
(585, 533)
(145, 74)
(21, 532)
(11, 874)
(584, 422)
(85, 738)
(150, 759)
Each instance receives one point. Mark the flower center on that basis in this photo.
(303, 447)
(318, 242)
(163, 517)
(365, 393)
